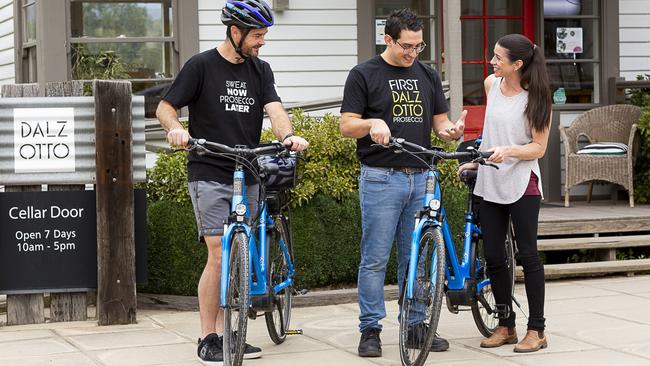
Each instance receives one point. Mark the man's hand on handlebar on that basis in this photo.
(466, 166)
(379, 131)
(295, 143)
(178, 136)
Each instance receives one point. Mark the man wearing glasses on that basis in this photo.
(392, 94)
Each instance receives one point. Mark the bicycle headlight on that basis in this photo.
(240, 209)
(434, 204)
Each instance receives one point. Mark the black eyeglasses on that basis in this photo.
(408, 48)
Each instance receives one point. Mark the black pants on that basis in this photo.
(494, 225)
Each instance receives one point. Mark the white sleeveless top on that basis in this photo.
(506, 125)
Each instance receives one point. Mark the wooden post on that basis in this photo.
(116, 291)
(66, 306)
(23, 308)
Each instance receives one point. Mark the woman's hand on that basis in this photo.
(499, 154)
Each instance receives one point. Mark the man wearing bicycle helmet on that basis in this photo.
(392, 94)
(227, 89)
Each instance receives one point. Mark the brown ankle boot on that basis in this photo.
(502, 335)
(532, 342)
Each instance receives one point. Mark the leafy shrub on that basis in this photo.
(330, 166)
(326, 214)
(175, 258)
(641, 98)
(167, 180)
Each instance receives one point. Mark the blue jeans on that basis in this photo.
(389, 200)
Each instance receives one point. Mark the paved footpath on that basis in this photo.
(590, 322)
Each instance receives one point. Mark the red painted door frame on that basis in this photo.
(476, 113)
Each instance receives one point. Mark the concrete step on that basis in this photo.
(610, 242)
(554, 271)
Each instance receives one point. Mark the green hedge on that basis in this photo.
(175, 257)
(325, 214)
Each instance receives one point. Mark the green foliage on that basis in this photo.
(330, 164)
(104, 65)
(326, 214)
(175, 257)
(327, 233)
(167, 180)
(641, 98)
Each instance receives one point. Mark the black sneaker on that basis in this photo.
(250, 352)
(210, 350)
(416, 336)
(370, 344)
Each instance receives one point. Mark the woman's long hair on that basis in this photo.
(534, 78)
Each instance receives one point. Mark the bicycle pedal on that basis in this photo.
(293, 332)
(300, 292)
(252, 314)
(501, 311)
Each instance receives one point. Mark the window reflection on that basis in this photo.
(120, 19)
(571, 46)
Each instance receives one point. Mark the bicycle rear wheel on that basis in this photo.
(485, 320)
(277, 321)
(418, 321)
(237, 301)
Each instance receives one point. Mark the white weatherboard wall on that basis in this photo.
(311, 47)
(634, 38)
(7, 70)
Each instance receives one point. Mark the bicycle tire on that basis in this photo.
(277, 321)
(415, 340)
(237, 301)
(485, 322)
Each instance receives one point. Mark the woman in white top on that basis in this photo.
(516, 129)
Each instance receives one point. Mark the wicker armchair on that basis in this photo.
(613, 123)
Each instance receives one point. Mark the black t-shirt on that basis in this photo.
(406, 98)
(226, 104)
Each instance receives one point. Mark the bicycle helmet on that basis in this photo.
(246, 15)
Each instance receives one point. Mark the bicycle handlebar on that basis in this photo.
(471, 154)
(272, 149)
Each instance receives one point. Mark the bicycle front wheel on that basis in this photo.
(419, 315)
(485, 320)
(237, 300)
(277, 321)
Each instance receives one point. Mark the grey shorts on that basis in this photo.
(211, 201)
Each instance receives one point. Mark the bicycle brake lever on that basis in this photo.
(380, 145)
(491, 165)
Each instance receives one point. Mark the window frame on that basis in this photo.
(598, 59)
(172, 40)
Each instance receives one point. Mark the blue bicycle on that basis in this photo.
(257, 259)
(434, 267)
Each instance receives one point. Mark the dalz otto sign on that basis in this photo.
(44, 140)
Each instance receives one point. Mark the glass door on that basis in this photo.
(483, 22)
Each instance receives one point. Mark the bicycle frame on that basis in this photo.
(258, 254)
(433, 215)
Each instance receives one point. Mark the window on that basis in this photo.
(571, 46)
(425, 9)
(28, 58)
(125, 39)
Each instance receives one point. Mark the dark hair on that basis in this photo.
(398, 20)
(534, 78)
